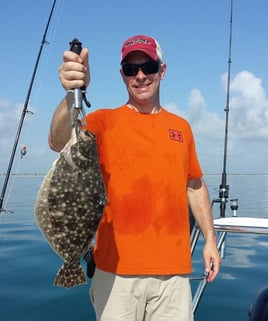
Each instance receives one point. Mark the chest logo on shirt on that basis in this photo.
(175, 135)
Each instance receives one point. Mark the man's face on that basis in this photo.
(143, 88)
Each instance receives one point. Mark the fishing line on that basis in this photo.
(43, 69)
(24, 111)
(43, 65)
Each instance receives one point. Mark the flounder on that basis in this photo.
(70, 204)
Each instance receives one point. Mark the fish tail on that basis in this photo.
(69, 275)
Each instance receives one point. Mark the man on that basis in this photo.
(151, 173)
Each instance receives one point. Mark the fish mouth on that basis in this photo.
(81, 133)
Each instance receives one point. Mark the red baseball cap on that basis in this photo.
(142, 43)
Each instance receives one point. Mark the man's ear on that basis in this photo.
(163, 71)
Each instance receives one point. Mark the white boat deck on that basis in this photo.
(242, 225)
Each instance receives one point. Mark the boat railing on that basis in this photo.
(224, 225)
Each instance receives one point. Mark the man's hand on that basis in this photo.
(74, 71)
(212, 260)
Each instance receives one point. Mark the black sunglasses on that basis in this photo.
(149, 67)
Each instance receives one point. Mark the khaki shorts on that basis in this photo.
(141, 298)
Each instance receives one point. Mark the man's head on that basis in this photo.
(142, 69)
(143, 43)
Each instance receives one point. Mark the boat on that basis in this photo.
(258, 311)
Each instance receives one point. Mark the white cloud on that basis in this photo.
(248, 110)
(204, 122)
(249, 106)
(247, 127)
(9, 119)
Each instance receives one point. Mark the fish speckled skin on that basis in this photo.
(70, 204)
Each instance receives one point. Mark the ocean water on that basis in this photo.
(28, 265)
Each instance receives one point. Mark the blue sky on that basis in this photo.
(194, 36)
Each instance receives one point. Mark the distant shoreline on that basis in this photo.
(205, 174)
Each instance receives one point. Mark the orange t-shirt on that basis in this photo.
(146, 160)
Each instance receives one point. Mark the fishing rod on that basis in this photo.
(24, 112)
(224, 187)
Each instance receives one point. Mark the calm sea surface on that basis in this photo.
(28, 265)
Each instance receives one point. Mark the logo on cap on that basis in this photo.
(142, 43)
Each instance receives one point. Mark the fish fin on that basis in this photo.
(70, 275)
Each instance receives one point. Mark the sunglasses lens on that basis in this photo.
(150, 67)
(130, 69)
